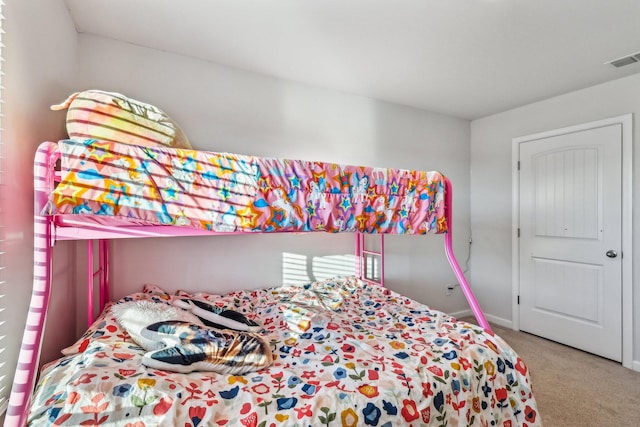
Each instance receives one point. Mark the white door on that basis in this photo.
(571, 239)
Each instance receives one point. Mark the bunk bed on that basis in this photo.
(345, 351)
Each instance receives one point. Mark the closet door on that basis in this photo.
(570, 239)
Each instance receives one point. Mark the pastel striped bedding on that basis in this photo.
(237, 193)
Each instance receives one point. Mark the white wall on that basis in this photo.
(39, 64)
(491, 176)
(223, 109)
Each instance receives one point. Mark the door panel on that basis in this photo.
(570, 216)
(582, 289)
(566, 193)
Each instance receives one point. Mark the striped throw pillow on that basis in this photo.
(109, 116)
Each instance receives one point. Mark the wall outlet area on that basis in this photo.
(449, 287)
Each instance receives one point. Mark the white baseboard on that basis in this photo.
(635, 365)
(505, 323)
(462, 313)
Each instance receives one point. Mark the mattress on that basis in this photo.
(346, 353)
(235, 193)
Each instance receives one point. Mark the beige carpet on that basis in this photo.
(574, 388)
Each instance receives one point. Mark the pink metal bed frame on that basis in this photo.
(51, 228)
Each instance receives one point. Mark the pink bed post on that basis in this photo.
(448, 246)
(382, 260)
(28, 358)
(358, 256)
(102, 273)
(90, 282)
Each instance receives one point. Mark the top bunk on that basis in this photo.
(103, 190)
(88, 189)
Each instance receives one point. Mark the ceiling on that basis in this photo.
(466, 58)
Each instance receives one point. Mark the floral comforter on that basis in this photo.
(346, 354)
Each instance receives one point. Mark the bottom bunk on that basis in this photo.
(341, 352)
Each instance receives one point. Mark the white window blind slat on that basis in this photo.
(5, 370)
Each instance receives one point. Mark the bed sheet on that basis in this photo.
(346, 353)
(234, 193)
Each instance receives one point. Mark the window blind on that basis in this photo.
(5, 369)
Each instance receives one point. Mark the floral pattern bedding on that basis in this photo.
(346, 353)
(235, 193)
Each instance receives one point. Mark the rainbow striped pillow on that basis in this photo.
(109, 116)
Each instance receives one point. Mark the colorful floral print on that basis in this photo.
(231, 192)
(367, 357)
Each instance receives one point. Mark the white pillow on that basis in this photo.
(134, 316)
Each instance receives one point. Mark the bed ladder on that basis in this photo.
(368, 261)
